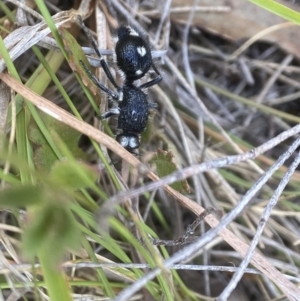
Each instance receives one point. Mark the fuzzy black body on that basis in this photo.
(134, 110)
(133, 53)
(134, 59)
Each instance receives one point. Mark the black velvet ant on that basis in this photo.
(134, 59)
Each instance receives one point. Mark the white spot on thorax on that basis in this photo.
(138, 72)
(132, 32)
(133, 142)
(141, 51)
(124, 141)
